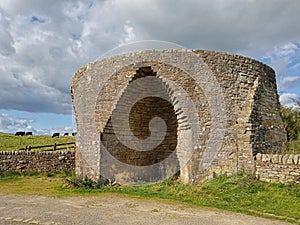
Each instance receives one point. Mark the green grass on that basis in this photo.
(239, 193)
(10, 142)
(31, 183)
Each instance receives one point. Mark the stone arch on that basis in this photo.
(182, 126)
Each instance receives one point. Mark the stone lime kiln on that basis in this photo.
(147, 115)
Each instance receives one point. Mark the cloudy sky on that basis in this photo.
(43, 43)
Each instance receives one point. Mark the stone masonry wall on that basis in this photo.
(278, 168)
(226, 111)
(269, 167)
(250, 88)
(25, 161)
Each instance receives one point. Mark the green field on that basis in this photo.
(238, 193)
(10, 142)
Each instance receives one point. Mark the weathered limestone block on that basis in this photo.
(290, 159)
(266, 158)
(296, 159)
(285, 159)
(275, 158)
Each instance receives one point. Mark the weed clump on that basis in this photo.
(89, 183)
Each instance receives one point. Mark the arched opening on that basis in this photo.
(141, 101)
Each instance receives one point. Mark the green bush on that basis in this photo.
(86, 182)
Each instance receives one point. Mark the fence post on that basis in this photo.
(54, 147)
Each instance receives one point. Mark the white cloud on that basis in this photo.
(11, 124)
(285, 60)
(130, 35)
(289, 100)
(285, 51)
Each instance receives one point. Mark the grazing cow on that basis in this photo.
(55, 135)
(28, 133)
(74, 133)
(20, 133)
(66, 134)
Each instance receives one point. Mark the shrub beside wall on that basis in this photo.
(25, 161)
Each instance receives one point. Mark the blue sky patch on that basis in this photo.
(35, 19)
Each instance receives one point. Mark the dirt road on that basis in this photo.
(113, 209)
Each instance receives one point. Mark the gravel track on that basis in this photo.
(114, 209)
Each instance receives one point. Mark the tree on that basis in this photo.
(291, 121)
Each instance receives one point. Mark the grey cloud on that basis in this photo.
(44, 55)
(251, 27)
(6, 40)
(32, 96)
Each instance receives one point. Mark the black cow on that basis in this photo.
(74, 133)
(66, 134)
(28, 133)
(20, 133)
(55, 135)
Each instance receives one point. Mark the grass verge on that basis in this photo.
(239, 193)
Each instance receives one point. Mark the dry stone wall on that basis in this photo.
(278, 168)
(222, 110)
(26, 161)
